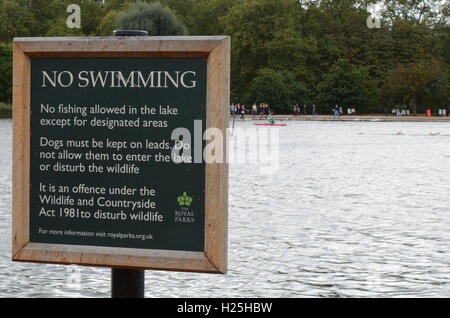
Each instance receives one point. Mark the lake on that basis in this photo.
(354, 210)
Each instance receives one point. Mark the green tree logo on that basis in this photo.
(184, 200)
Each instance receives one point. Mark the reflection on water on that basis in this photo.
(354, 210)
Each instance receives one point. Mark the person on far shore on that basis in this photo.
(243, 111)
(336, 111)
(254, 110)
(271, 119)
(313, 112)
(341, 112)
(233, 110)
(261, 110)
(266, 110)
(304, 110)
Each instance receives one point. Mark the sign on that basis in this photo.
(109, 136)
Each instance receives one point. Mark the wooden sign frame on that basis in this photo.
(216, 49)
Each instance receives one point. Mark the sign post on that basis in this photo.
(127, 283)
(108, 152)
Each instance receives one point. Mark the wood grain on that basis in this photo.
(21, 149)
(218, 70)
(192, 46)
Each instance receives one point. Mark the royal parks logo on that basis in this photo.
(185, 213)
(184, 200)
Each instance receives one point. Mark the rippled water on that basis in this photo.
(354, 210)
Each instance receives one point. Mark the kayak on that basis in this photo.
(271, 124)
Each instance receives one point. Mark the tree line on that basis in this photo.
(284, 52)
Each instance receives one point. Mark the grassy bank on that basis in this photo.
(5, 110)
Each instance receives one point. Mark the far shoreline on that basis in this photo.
(352, 118)
(346, 118)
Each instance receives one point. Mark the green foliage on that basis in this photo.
(117, 5)
(91, 17)
(416, 11)
(292, 44)
(6, 72)
(265, 34)
(15, 21)
(201, 16)
(276, 88)
(345, 85)
(297, 93)
(442, 39)
(58, 27)
(153, 18)
(418, 85)
(267, 87)
(108, 23)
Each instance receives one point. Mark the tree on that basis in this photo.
(411, 43)
(153, 18)
(276, 88)
(117, 5)
(296, 92)
(417, 84)
(299, 39)
(265, 34)
(442, 37)
(58, 27)
(345, 85)
(15, 21)
(91, 17)
(197, 15)
(6, 72)
(417, 11)
(108, 23)
(267, 87)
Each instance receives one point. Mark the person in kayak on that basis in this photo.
(270, 119)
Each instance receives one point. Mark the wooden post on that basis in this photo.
(127, 283)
